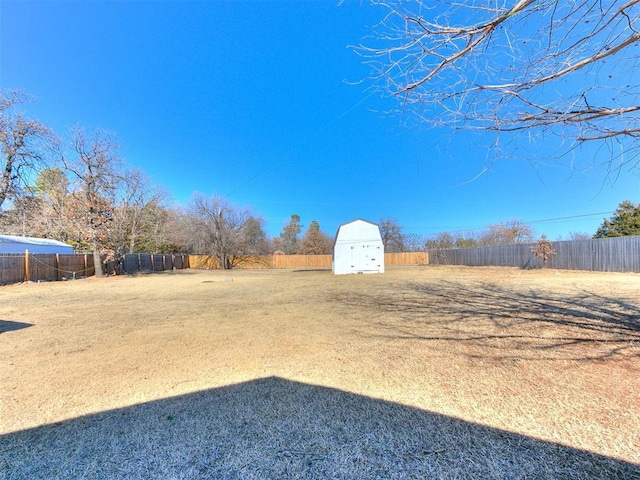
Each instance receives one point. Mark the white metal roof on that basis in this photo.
(11, 239)
(358, 230)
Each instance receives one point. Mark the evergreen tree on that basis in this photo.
(314, 242)
(624, 221)
(255, 239)
(288, 239)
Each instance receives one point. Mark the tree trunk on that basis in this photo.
(5, 181)
(97, 263)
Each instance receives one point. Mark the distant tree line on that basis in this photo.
(624, 221)
(77, 189)
(506, 233)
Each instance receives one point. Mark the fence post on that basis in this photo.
(26, 265)
(57, 267)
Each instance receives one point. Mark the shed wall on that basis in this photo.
(358, 248)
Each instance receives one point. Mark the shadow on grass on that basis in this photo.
(503, 323)
(9, 326)
(307, 270)
(276, 428)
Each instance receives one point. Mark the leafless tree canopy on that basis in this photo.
(23, 142)
(216, 227)
(506, 233)
(567, 68)
(140, 217)
(392, 236)
(96, 169)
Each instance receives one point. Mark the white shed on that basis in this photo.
(358, 248)
(11, 244)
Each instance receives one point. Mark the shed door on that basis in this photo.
(365, 257)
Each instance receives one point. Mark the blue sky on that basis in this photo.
(259, 101)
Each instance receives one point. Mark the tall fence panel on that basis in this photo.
(12, 268)
(74, 266)
(203, 261)
(619, 254)
(146, 265)
(406, 258)
(43, 267)
(148, 262)
(302, 261)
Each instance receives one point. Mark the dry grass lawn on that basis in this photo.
(429, 372)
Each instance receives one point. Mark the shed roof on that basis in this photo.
(358, 222)
(14, 240)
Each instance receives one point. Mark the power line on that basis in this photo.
(547, 220)
(570, 217)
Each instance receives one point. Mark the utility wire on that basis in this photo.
(547, 220)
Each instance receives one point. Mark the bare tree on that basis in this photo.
(24, 218)
(578, 236)
(392, 236)
(176, 231)
(216, 228)
(414, 242)
(96, 168)
(52, 220)
(542, 66)
(140, 216)
(24, 144)
(506, 233)
(441, 241)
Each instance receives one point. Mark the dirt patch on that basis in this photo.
(534, 356)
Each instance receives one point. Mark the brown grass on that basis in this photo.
(440, 372)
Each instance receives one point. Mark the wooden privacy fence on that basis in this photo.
(619, 254)
(263, 261)
(21, 267)
(35, 267)
(301, 261)
(406, 258)
(237, 261)
(24, 267)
